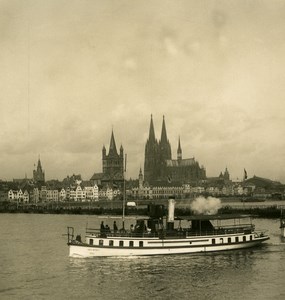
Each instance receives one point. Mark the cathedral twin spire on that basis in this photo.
(151, 138)
(156, 153)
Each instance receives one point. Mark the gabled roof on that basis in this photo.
(262, 182)
(182, 162)
(97, 176)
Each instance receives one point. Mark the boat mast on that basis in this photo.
(124, 191)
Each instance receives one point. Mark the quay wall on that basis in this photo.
(270, 209)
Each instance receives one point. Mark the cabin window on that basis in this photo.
(91, 242)
(141, 243)
(101, 242)
(244, 238)
(236, 239)
(111, 243)
(121, 243)
(229, 240)
(131, 244)
(213, 241)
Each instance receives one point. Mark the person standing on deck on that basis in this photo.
(115, 228)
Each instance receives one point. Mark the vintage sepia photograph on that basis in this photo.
(142, 149)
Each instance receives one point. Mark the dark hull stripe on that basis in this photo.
(169, 247)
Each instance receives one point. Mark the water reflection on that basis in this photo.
(175, 274)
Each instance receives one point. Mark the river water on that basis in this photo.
(35, 265)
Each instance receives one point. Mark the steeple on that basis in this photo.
(39, 174)
(163, 138)
(141, 176)
(121, 151)
(151, 137)
(113, 148)
(179, 150)
(39, 167)
(164, 145)
(104, 151)
(151, 155)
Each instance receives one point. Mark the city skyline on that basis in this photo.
(212, 68)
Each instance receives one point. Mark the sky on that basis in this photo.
(71, 71)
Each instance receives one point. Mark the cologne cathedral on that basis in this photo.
(159, 165)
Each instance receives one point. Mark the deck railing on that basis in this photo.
(176, 233)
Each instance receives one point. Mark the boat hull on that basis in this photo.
(164, 247)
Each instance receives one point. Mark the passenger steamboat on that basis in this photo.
(161, 234)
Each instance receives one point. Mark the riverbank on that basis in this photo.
(263, 210)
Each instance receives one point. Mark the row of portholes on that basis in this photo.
(230, 239)
(121, 243)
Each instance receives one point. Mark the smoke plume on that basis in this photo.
(206, 206)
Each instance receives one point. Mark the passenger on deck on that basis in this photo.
(102, 228)
(115, 228)
(107, 229)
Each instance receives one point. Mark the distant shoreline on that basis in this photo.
(268, 209)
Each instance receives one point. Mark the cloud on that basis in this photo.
(214, 71)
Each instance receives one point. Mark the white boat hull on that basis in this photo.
(163, 247)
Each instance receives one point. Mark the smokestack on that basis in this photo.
(171, 208)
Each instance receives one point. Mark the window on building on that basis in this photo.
(213, 241)
(141, 244)
(111, 243)
(131, 244)
(236, 239)
(101, 242)
(91, 242)
(121, 243)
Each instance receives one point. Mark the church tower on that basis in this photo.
(113, 163)
(140, 179)
(39, 174)
(151, 155)
(179, 152)
(227, 174)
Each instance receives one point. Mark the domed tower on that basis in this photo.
(227, 174)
